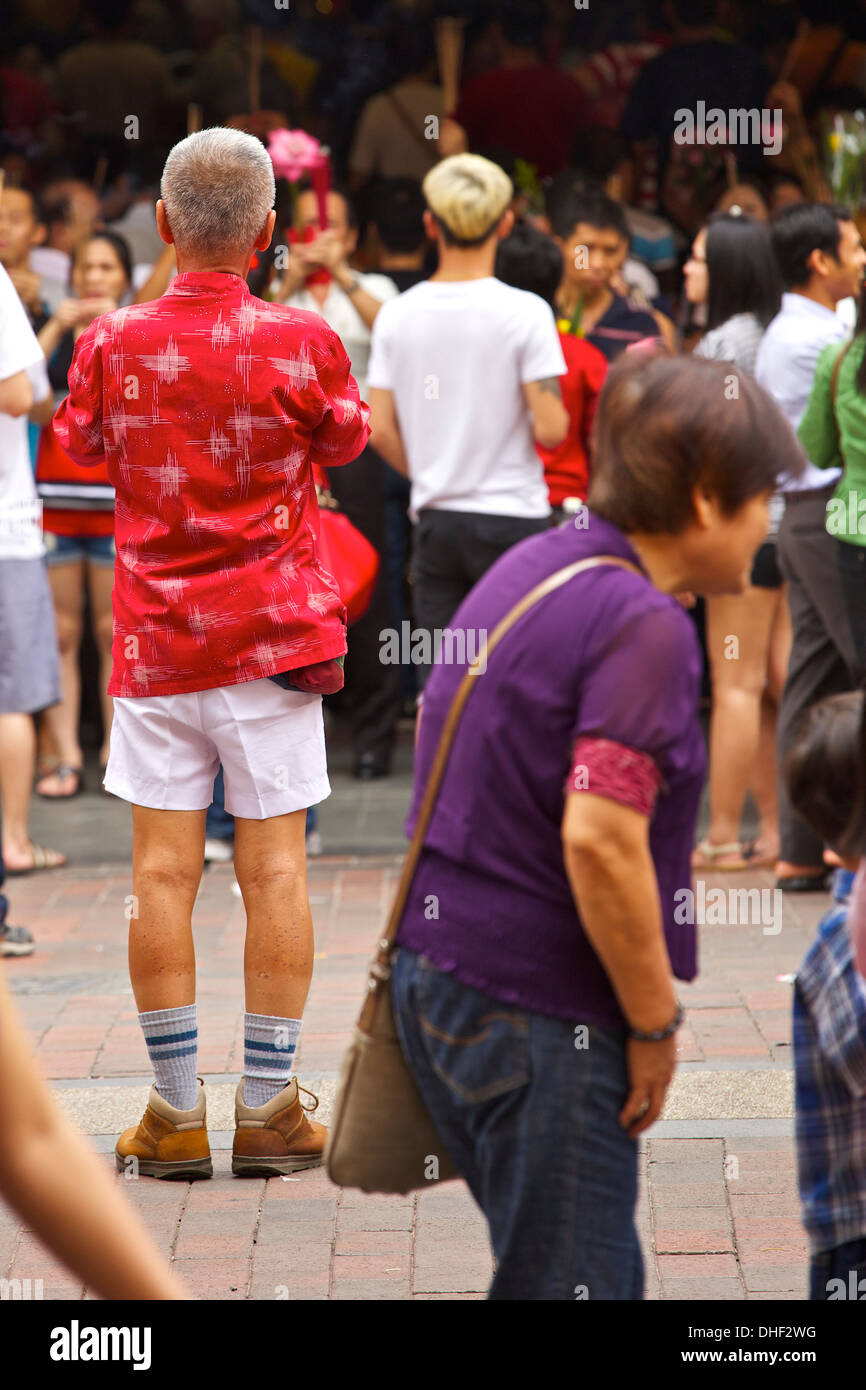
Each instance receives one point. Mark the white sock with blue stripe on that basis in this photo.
(171, 1036)
(269, 1051)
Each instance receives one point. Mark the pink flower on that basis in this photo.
(294, 153)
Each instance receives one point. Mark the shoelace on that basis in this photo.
(309, 1108)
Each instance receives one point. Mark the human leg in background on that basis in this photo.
(17, 763)
(764, 781)
(738, 644)
(14, 941)
(822, 660)
(100, 579)
(852, 575)
(373, 688)
(219, 826)
(61, 720)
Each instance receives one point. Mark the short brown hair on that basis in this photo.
(822, 770)
(667, 425)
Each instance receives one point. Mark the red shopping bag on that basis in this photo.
(347, 555)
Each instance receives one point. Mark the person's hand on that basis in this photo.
(294, 277)
(452, 138)
(651, 1066)
(328, 250)
(686, 599)
(91, 309)
(786, 96)
(27, 284)
(67, 314)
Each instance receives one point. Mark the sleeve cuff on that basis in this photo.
(606, 768)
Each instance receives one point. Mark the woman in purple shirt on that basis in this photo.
(534, 980)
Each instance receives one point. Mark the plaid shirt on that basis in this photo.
(210, 408)
(830, 1080)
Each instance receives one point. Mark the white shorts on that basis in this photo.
(166, 750)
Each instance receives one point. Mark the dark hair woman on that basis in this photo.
(533, 983)
(78, 518)
(833, 431)
(733, 271)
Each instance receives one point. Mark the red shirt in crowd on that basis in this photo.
(210, 408)
(535, 111)
(566, 468)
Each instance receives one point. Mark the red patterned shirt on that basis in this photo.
(210, 408)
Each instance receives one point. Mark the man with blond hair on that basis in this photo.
(464, 376)
(211, 408)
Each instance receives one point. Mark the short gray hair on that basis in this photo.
(218, 188)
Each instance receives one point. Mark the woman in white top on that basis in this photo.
(733, 271)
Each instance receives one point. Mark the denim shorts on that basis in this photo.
(68, 550)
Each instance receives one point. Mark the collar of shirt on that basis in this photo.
(192, 282)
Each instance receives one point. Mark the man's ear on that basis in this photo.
(816, 261)
(430, 225)
(162, 223)
(263, 240)
(506, 224)
(704, 508)
(40, 232)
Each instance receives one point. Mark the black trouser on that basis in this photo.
(852, 575)
(822, 653)
(451, 551)
(373, 690)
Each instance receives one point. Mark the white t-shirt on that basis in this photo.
(455, 355)
(339, 313)
(20, 532)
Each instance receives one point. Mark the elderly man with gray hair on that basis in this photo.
(211, 408)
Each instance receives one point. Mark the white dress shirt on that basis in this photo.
(785, 367)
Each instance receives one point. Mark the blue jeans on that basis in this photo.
(531, 1121)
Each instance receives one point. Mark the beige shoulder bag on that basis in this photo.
(381, 1136)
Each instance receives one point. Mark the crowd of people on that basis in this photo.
(531, 330)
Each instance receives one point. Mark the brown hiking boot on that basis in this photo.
(274, 1139)
(168, 1143)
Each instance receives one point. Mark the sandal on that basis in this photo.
(42, 859)
(707, 856)
(62, 770)
(759, 859)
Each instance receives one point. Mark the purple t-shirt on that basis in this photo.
(605, 656)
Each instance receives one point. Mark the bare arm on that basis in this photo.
(612, 877)
(158, 281)
(385, 436)
(16, 395)
(54, 1181)
(549, 415)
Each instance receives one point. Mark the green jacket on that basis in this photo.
(837, 438)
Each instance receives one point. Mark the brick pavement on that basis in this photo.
(718, 1211)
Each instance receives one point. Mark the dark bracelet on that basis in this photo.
(659, 1034)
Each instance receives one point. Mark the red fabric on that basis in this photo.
(351, 559)
(534, 111)
(603, 767)
(73, 522)
(566, 468)
(55, 466)
(210, 408)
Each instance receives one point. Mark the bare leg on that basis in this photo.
(17, 761)
(270, 863)
(765, 783)
(61, 721)
(738, 636)
(167, 864)
(100, 579)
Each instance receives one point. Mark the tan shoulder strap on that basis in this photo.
(464, 690)
(834, 380)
